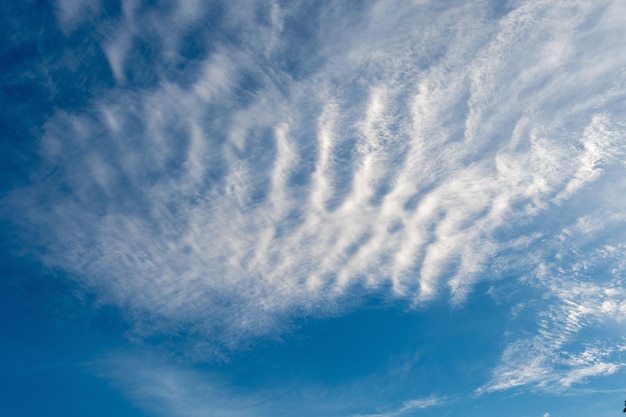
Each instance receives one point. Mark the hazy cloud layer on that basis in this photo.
(410, 148)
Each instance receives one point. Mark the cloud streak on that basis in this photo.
(410, 407)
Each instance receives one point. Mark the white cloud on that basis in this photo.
(409, 407)
(556, 356)
(411, 146)
(165, 390)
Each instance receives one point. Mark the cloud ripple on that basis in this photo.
(405, 147)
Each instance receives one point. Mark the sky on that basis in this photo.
(348, 208)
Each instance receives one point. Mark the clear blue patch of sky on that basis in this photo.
(49, 336)
(413, 353)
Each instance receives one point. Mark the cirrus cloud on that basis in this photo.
(409, 148)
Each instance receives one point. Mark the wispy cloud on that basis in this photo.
(578, 300)
(410, 407)
(166, 390)
(409, 146)
(173, 388)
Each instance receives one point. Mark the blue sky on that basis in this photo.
(346, 208)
